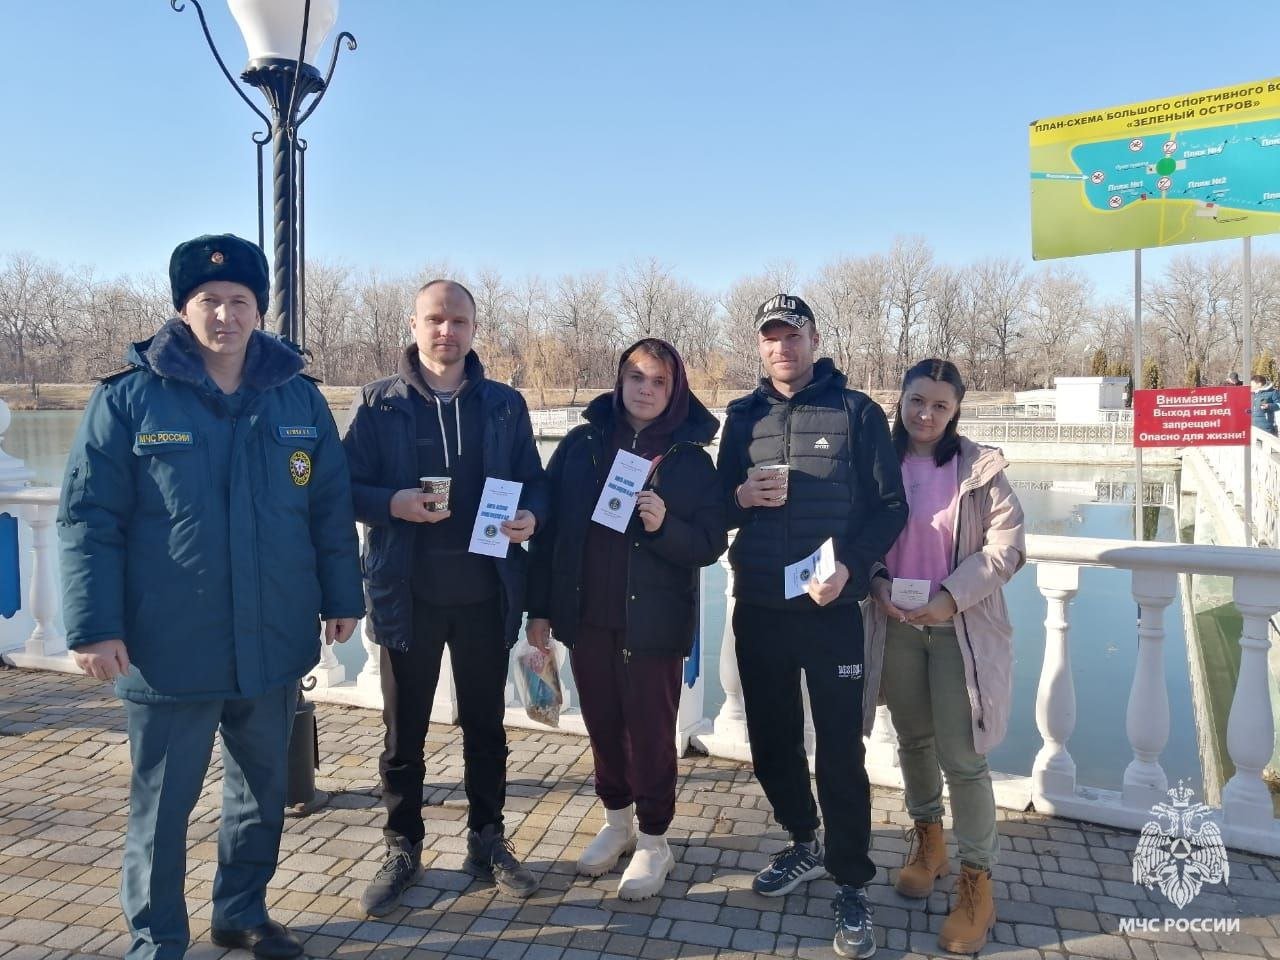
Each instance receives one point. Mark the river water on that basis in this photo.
(1057, 499)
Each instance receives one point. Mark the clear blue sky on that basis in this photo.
(554, 137)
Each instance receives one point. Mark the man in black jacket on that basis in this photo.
(840, 481)
(439, 417)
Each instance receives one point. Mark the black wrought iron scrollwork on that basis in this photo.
(286, 84)
(333, 64)
(310, 682)
(178, 6)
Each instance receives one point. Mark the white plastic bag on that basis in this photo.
(538, 683)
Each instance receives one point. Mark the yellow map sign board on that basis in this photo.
(1202, 166)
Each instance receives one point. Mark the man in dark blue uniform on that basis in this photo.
(206, 527)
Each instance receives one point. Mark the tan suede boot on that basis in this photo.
(973, 915)
(926, 860)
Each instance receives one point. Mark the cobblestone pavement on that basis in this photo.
(1063, 887)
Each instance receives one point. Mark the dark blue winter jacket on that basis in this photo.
(1262, 408)
(209, 533)
(382, 452)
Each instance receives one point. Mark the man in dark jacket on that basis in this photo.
(839, 481)
(206, 528)
(1263, 401)
(440, 417)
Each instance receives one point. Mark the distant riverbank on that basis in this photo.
(74, 396)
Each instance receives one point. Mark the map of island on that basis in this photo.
(1199, 167)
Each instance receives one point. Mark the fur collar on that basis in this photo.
(174, 354)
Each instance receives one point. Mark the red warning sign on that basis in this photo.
(1191, 417)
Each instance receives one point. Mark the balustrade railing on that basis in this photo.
(1227, 465)
(35, 639)
(1034, 431)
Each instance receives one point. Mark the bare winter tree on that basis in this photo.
(851, 298)
(380, 323)
(1001, 291)
(328, 314)
(911, 269)
(496, 336)
(950, 299)
(1058, 317)
(20, 330)
(875, 313)
(1189, 305)
(586, 331)
(644, 291)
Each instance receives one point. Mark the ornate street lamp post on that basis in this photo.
(283, 38)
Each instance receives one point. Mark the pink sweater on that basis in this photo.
(923, 551)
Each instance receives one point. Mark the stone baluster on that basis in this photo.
(690, 719)
(1147, 717)
(1246, 802)
(882, 747)
(329, 672)
(369, 679)
(47, 641)
(1054, 772)
(728, 737)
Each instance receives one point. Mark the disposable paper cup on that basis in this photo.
(437, 485)
(774, 469)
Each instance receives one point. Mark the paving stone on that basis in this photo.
(704, 934)
(1062, 887)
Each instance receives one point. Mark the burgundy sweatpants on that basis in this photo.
(629, 708)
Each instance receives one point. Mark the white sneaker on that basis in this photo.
(648, 869)
(616, 837)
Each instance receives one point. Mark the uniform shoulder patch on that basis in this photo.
(119, 372)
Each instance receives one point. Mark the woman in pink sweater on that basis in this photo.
(939, 612)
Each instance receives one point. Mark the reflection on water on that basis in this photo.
(1058, 499)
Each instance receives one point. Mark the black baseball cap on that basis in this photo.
(784, 308)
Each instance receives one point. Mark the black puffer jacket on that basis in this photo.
(662, 572)
(845, 483)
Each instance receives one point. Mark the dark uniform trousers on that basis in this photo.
(773, 646)
(474, 634)
(171, 745)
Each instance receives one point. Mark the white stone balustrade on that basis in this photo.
(1247, 814)
(1147, 717)
(34, 639)
(1054, 772)
(45, 647)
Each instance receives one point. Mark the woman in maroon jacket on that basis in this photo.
(626, 603)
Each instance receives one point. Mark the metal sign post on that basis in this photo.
(1248, 372)
(1137, 373)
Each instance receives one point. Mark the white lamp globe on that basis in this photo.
(273, 28)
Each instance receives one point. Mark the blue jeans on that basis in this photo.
(170, 745)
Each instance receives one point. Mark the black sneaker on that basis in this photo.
(855, 935)
(789, 868)
(396, 874)
(491, 856)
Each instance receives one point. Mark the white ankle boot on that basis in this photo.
(616, 837)
(648, 869)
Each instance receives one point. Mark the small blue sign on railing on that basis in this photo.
(10, 574)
